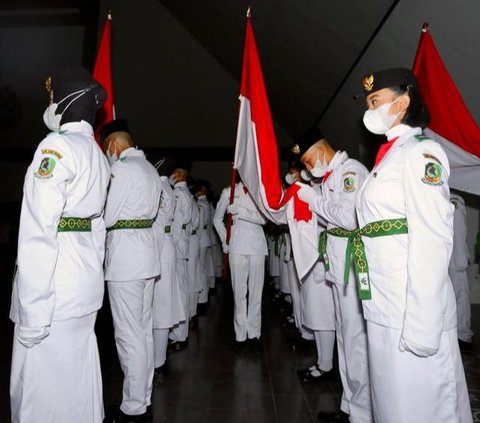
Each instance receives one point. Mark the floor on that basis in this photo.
(208, 382)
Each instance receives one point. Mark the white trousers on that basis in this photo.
(131, 304)
(411, 389)
(462, 296)
(193, 275)
(179, 332)
(352, 353)
(295, 293)
(205, 268)
(248, 273)
(160, 343)
(58, 380)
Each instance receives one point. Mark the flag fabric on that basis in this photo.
(102, 73)
(451, 124)
(256, 160)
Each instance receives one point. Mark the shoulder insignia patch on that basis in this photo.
(349, 183)
(52, 153)
(431, 157)
(421, 138)
(433, 174)
(349, 173)
(45, 170)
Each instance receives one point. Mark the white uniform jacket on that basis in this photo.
(411, 290)
(194, 238)
(134, 194)
(60, 274)
(336, 206)
(247, 236)
(181, 219)
(205, 224)
(164, 220)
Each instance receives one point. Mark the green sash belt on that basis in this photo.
(356, 250)
(168, 229)
(322, 242)
(131, 224)
(74, 224)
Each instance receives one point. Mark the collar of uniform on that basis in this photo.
(131, 152)
(81, 126)
(338, 158)
(404, 134)
(397, 131)
(163, 178)
(201, 197)
(180, 184)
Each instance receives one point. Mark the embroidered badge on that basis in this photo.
(45, 170)
(349, 184)
(296, 149)
(433, 174)
(431, 157)
(52, 152)
(368, 83)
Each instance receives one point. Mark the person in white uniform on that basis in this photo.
(58, 287)
(335, 204)
(182, 219)
(401, 254)
(167, 302)
(247, 250)
(132, 263)
(458, 272)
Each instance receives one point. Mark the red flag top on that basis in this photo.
(449, 115)
(102, 72)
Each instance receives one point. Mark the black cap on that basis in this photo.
(183, 164)
(117, 125)
(203, 183)
(387, 78)
(306, 140)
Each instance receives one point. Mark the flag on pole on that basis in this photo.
(256, 159)
(451, 123)
(102, 73)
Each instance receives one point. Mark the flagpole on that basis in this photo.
(233, 178)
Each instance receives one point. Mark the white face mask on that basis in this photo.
(290, 179)
(172, 180)
(320, 168)
(378, 121)
(51, 118)
(306, 175)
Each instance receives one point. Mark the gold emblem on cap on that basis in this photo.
(368, 83)
(48, 84)
(296, 149)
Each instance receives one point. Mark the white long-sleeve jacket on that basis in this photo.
(134, 194)
(182, 219)
(60, 274)
(409, 279)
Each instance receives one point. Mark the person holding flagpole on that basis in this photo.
(401, 254)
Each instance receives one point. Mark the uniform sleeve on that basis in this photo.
(183, 213)
(195, 215)
(248, 211)
(339, 209)
(117, 193)
(460, 254)
(219, 214)
(99, 234)
(44, 198)
(168, 203)
(429, 215)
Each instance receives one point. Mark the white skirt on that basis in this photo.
(58, 380)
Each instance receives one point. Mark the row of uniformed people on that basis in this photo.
(74, 236)
(398, 352)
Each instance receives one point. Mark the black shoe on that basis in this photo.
(337, 416)
(149, 413)
(300, 344)
(256, 345)
(162, 370)
(465, 346)
(310, 377)
(194, 322)
(238, 346)
(121, 417)
(304, 372)
(202, 309)
(176, 345)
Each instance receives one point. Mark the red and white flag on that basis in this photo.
(256, 160)
(102, 73)
(450, 121)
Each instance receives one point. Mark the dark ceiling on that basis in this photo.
(308, 48)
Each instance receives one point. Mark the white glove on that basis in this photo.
(418, 350)
(31, 336)
(233, 209)
(306, 193)
(225, 248)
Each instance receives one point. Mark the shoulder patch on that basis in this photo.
(52, 153)
(421, 138)
(433, 174)
(45, 170)
(431, 157)
(349, 183)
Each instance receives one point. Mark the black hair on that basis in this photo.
(416, 114)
